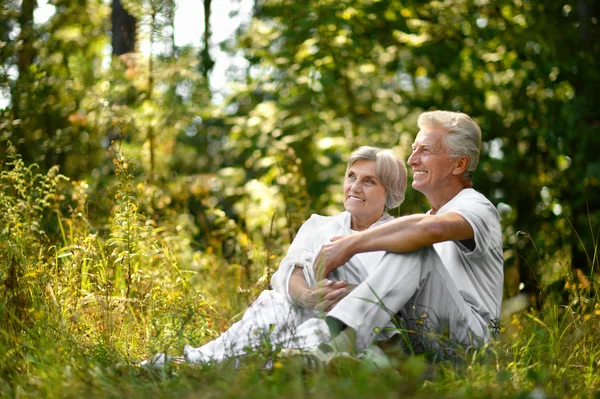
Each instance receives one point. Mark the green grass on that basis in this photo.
(80, 306)
(530, 357)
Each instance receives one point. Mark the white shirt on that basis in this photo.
(314, 233)
(478, 274)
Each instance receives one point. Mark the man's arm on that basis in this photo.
(405, 234)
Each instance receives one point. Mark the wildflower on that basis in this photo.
(277, 365)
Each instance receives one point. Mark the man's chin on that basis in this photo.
(417, 185)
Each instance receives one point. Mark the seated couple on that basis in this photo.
(441, 271)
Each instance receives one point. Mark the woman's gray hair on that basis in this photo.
(463, 138)
(390, 171)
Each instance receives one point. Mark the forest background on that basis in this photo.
(140, 210)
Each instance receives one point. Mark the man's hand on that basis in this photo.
(332, 256)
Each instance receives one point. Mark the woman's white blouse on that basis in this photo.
(314, 233)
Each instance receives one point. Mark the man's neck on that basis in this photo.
(443, 196)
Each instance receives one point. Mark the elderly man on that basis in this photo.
(443, 268)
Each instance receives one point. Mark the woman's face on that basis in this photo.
(364, 194)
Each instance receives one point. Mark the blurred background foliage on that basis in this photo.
(142, 209)
(218, 188)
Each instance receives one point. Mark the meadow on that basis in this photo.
(149, 187)
(81, 304)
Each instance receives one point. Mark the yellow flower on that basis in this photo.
(277, 365)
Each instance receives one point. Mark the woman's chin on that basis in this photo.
(352, 208)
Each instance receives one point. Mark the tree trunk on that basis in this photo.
(207, 62)
(123, 29)
(25, 49)
(25, 55)
(151, 89)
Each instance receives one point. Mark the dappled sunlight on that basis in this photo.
(147, 198)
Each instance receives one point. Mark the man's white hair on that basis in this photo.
(462, 138)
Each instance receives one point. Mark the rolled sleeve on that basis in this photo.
(281, 279)
(300, 254)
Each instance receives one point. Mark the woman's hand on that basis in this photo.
(319, 295)
(327, 293)
(333, 298)
(324, 295)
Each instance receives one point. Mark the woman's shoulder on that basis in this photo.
(321, 220)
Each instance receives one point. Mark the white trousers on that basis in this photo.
(417, 286)
(270, 320)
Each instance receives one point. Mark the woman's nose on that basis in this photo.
(356, 186)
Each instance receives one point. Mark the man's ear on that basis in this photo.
(461, 165)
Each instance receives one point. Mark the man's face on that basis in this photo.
(430, 161)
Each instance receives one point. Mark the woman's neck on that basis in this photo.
(358, 224)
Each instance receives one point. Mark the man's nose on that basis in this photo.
(413, 159)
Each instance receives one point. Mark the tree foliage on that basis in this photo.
(322, 78)
(334, 75)
(141, 210)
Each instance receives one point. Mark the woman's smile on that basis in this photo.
(364, 194)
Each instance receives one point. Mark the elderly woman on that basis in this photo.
(290, 316)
